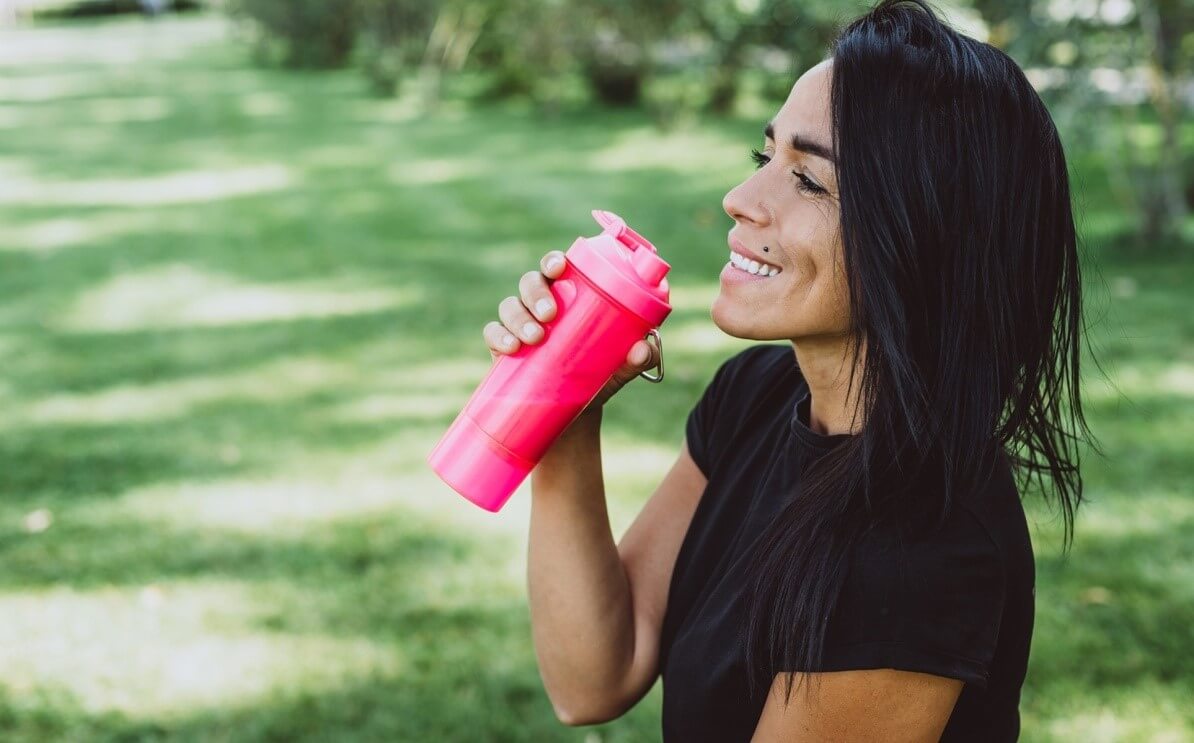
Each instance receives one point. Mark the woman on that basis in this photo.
(839, 552)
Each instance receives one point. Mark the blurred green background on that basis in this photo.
(246, 252)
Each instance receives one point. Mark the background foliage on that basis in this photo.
(242, 302)
(677, 57)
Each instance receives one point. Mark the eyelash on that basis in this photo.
(806, 184)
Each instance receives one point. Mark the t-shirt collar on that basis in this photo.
(800, 425)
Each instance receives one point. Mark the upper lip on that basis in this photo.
(737, 246)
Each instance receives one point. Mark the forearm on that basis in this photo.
(581, 612)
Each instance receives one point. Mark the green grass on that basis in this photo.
(241, 306)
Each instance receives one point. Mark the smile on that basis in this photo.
(751, 266)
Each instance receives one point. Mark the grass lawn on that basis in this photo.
(239, 308)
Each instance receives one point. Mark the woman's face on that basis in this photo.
(786, 215)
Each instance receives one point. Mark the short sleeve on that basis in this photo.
(698, 429)
(701, 430)
(933, 606)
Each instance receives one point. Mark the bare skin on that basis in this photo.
(786, 214)
(597, 605)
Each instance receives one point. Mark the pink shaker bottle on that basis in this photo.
(611, 294)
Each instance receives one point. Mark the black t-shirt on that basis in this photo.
(958, 603)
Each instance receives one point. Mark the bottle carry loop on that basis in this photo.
(654, 378)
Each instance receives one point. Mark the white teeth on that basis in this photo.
(752, 266)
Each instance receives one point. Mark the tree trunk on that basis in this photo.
(723, 89)
(1170, 210)
(447, 21)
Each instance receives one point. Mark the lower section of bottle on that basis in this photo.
(477, 466)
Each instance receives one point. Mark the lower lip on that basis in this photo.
(732, 275)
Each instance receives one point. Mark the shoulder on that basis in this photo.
(979, 537)
(910, 576)
(755, 363)
(997, 506)
(746, 374)
(931, 602)
(743, 379)
(931, 606)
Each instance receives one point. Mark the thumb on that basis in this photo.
(640, 353)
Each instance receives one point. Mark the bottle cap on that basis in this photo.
(626, 266)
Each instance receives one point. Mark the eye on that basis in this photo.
(806, 184)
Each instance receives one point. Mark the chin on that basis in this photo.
(738, 323)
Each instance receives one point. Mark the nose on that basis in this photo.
(742, 208)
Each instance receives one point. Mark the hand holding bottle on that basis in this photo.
(573, 336)
(521, 323)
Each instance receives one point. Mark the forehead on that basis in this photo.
(806, 110)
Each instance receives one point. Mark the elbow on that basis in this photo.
(587, 714)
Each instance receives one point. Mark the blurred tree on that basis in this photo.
(1167, 27)
(526, 49)
(801, 28)
(615, 44)
(300, 33)
(1104, 65)
(533, 46)
(393, 34)
(400, 36)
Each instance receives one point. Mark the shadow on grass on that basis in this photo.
(123, 425)
(465, 664)
(477, 701)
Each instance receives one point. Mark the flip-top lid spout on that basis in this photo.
(617, 227)
(625, 266)
(644, 258)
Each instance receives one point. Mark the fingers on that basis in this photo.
(552, 264)
(642, 356)
(535, 295)
(521, 316)
(499, 339)
(518, 321)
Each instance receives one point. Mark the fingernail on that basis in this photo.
(530, 330)
(553, 263)
(641, 356)
(543, 306)
(507, 340)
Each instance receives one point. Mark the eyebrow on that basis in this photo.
(803, 144)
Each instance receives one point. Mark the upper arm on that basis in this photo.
(916, 620)
(872, 705)
(648, 551)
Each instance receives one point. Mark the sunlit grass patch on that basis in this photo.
(164, 649)
(183, 296)
(241, 306)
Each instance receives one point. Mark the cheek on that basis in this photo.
(813, 246)
(812, 243)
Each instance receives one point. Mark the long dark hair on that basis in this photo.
(965, 294)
